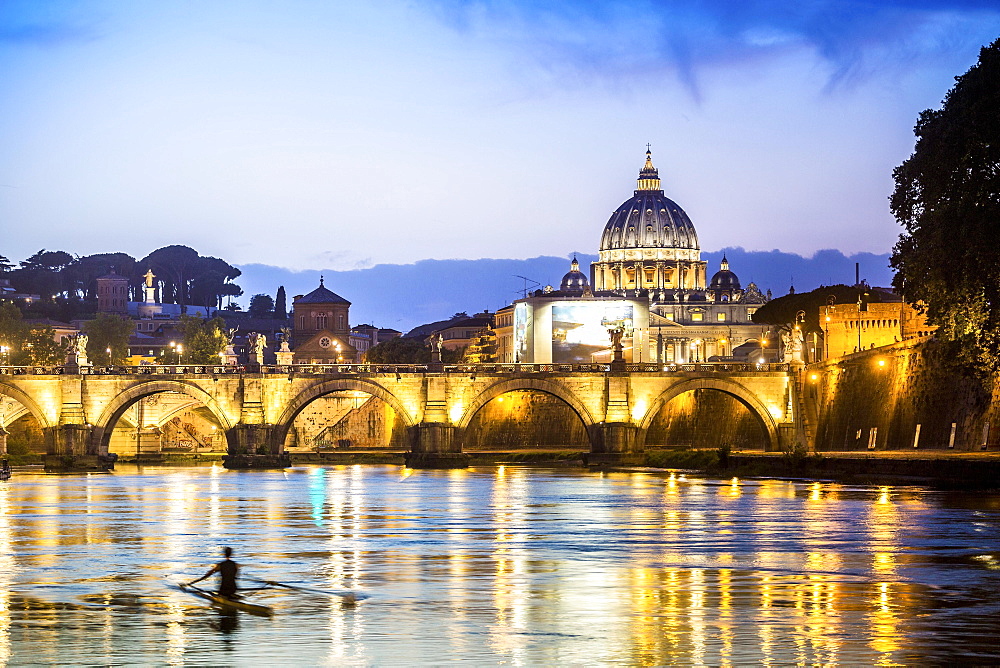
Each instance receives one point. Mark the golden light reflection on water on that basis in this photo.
(510, 576)
(7, 571)
(499, 565)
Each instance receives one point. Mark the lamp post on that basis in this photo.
(830, 307)
(4, 350)
(180, 354)
(108, 351)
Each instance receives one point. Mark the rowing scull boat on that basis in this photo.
(226, 602)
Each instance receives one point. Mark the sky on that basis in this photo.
(340, 135)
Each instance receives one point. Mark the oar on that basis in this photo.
(311, 590)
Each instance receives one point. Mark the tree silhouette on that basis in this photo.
(947, 197)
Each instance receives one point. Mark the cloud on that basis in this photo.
(618, 38)
(46, 35)
(50, 23)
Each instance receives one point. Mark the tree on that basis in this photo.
(781, 311)
(42, 274)
(947, 198)
(261, 306)
(280, 305)
(27, 344)
(11, 333)
(187, 277)
(83, 272)
(108, 332)
(399, 350)
(204, 340)
(41, 346)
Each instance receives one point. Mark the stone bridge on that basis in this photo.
(78, 408)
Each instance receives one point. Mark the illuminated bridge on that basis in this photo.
(436, 406)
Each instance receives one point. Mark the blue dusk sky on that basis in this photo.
(341, 134)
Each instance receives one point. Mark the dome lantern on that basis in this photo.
(649, 176)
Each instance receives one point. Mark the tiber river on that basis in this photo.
(514, 565)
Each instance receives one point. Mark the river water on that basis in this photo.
(514, 565)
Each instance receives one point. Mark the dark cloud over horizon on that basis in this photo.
(621, 38)
(404, 296)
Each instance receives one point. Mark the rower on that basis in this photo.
(227, 570)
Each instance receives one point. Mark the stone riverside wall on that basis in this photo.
(874, 400)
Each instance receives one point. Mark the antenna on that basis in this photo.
(524, 290)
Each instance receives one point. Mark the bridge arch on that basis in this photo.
(21, 397)
(116, 408)
(732, 388)
(538, 384)
(303, 398)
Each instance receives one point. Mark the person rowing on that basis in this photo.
(227, 570)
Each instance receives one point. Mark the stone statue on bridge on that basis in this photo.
(284, 355)
(76, 352)
(616, 335)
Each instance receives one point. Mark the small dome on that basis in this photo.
(575, 281)
(724, 279)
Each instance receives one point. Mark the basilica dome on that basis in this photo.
(649, 219)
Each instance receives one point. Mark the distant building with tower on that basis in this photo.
(321, 331)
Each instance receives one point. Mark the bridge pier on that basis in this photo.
(433, 446)
(614, 444)
(70, 450)
(3, 440)
(253, 446)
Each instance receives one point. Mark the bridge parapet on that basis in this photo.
(376, 369)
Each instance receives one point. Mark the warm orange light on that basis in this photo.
(881, 363)
(813, 377)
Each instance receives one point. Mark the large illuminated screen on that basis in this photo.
(580, 329)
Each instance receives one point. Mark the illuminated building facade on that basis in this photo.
(321, 331)
(112, 293)
(850, 328)
(650, 281)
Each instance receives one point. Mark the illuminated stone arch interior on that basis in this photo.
(343, 414)
(707, 415)
(345, 419)
(22, 426)
(161, 417)
(524, 418)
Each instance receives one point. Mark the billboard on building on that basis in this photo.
(580, 329)
(521, 332)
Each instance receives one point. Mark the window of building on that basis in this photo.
(321, 321)
(697, 317)
(751, 311)
(340, 320)
(721, 317)
(669, 315)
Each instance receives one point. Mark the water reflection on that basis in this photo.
(507, 564)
